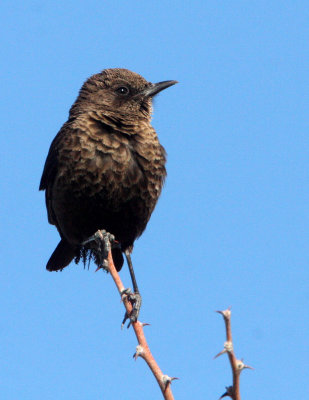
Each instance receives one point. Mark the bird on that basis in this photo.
(105, 168)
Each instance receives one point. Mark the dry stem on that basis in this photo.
(236, 365)
(142, 350)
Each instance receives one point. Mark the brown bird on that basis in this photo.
(105, 168)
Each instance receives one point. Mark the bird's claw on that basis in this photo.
(136, 300)
(103, 241)
(99, 236)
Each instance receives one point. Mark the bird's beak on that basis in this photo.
(155, 88)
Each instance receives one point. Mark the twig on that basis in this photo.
(142, 350)
(236, 365)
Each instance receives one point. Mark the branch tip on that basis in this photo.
(236, 365)
(225, 313)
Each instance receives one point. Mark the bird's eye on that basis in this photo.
(123, 90)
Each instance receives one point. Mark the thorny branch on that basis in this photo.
(236, 365)
(142, 350)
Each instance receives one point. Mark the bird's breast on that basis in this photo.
(95, 161)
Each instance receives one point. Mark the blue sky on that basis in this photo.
(231, 227)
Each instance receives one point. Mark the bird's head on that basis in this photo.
(118, 93)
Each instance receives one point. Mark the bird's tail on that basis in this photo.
(65, 252)
(62, 256)
(117, 258)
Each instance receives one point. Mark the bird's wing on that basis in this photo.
(51, 163)
(50, 172)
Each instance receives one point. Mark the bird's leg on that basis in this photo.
(134, 297)
(132, 274)
(103, 241)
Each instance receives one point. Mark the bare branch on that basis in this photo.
(142, 350)
(236, 365)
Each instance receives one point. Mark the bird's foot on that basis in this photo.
(136, 300)
(103, 241)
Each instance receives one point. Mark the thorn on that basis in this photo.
(240, 366)
(167, 380)
(139, 352)
(220, 354)
(229, 392)
(144, 324)
(228, 348)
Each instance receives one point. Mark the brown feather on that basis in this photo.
(105, 168)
